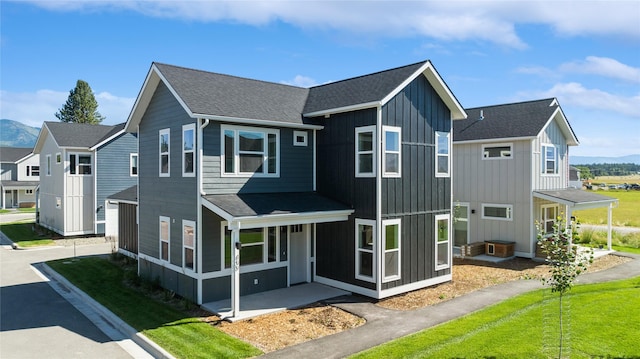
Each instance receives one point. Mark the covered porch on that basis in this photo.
(577, 200)
(11, 197)
(271, 212)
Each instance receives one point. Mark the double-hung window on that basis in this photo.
(391, 263)
(549, 159)
(250, 151)
(164, 150)
(365, 250)
(80, 164)
(549, 216)
(391, 142)
(442, 154)
(189, 244)
(188, 150)
(165, 233)
(442, 241)
(365, 151)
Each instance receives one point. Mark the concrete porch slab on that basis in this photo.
(274, 301)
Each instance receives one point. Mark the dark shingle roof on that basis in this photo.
(130, 195)
(13, 154)
(523, 119)
(358, 90)
(261, 204)
(81, 135)
(213, 94)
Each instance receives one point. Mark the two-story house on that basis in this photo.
(20, 176)
(247, 186)
(81, 165)
(512, 170)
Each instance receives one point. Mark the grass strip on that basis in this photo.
(601, 321)
(22, 234)
(172, 329)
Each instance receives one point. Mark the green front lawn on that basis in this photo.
(601, 321)
(173, 329)
(26, 234)
(626, 214)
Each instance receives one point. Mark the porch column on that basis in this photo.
(569, 225)
(609, 220)
(3, 202)
(235, 269)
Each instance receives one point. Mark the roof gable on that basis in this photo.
(512, 121)
(76, 135)
(14, 154)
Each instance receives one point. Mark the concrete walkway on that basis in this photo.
(384, 325)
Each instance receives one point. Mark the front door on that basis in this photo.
(298, 254)
(461, 225)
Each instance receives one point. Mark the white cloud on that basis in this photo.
(603, 66)
(300, 81)
(33, 108)
(491, 21)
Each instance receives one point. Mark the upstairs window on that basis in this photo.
(392, 151)
(549, 159)
(33, 171)
(442, 154)
(48, 165)
(250, 151)
(365, 151)
(133, 164)
(80, 164)
(163, 143)
(188, 150)
(496, 151)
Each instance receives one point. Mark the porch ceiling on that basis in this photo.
(258, 209)
(575, 198)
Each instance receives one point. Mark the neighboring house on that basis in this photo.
(574, 178)
(81, 165)
(20, 177)
(346, 184)
(512, 170)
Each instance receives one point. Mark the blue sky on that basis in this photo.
(587, 54)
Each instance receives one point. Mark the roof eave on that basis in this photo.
(563, 123)
(492, 140)
(259, 122)
(331, 111)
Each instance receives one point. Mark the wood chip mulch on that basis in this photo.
(279, 330)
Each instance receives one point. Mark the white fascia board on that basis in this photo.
(217, 210)
(142, 101)
(331, 111)
(291, 219)
(100, 144)
(495, 140)
(251, 121)
(29, 155)
(44, 132)
(563, 123)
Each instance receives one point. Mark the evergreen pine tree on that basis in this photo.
(81, 106)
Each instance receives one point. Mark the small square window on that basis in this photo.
(299, 138)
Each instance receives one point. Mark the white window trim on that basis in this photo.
(58, 157)
(373, 151)
(160, 153)
(397, 130)
(543, 219)
(48, 165)
(448, 155)
(255, 266)
(510, 145)
(77, 155)
(192, 224)
(437, 218)
(186, 128)
(160, 240)
(385, 223)
(131, 155)
(302, 134)
(544, 159)
(509, 208)
(373, 251)
(236, 152)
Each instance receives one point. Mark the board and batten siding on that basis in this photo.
(128, 227)
(295, 173)
(113, 171)
(51, 187)
(551, 135)
(417, 196)
(495, 181)
(174, 196)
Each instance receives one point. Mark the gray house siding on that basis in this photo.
(174, 196)
(113, 171)
(9, 172)
(418, 195)
(551, 135)
(179, 283)
(296, 166)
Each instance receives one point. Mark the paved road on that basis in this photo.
(35, 321)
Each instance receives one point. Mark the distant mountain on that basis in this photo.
(17, 134)
(588, 160)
